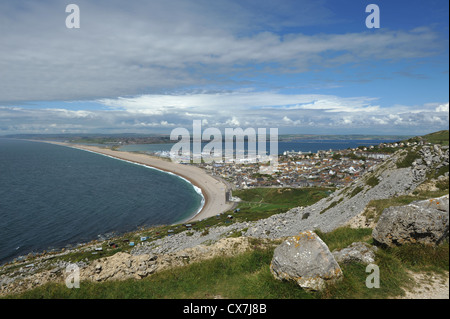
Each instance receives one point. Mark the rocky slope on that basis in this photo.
(384, 181)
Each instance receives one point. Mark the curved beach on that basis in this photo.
(213, 190)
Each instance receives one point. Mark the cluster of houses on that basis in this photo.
(297, 169)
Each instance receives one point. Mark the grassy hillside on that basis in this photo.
(261, 203)
(248, 276)
(440, 137)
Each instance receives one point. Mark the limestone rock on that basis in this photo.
(306, 260)
(358, 252)
(423, 222)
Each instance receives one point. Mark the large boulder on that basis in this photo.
(423, 222)
(306, 260)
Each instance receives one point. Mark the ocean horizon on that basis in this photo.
(305, 145)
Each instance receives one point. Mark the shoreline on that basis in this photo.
(212, 190)
(198, 190)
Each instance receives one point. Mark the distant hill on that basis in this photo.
(440, 137)
(126, 138)
(299, 137)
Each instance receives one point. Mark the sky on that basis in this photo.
(302, 66)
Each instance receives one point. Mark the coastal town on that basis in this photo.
(331, 168)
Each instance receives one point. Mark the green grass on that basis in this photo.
(283, 196)
(394, 264)
(443, 185)
(373, 181)
(421, 257)
(356, 191)
(261, 203)
(393, 276)
(435, 173)
(441, 137)
(247, 276)
(344, 236)
(333, 204)
(407, 161)
(241, 277)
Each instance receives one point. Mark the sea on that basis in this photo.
(303, 145)
(54, 197)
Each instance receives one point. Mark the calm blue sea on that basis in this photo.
(300, 145)
(54, 196)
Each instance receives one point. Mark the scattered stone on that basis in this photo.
(357, 252)
(98, 268)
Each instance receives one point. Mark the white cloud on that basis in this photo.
(443, 108)
(233, 122)
(379, 121)
(72, 114)
(287, 120)
(288, 112)
(238, 101)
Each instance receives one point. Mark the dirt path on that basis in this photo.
(428, 286)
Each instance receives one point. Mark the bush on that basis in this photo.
(442, 185)
(408, 159)
(356, 191)
(373, 181)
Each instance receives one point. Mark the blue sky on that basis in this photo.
(302, 66)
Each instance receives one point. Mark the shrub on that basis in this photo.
(373, 181)
(407, 161)
(356, 191)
